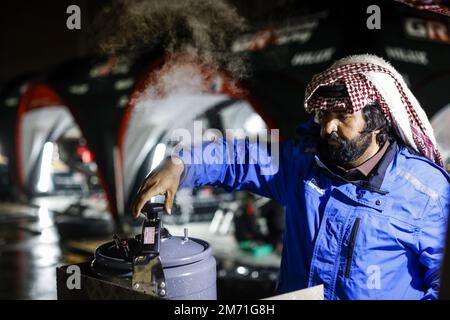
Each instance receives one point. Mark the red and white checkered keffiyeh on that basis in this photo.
(437, 6)
(368, 79)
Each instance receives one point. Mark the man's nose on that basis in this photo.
(329, 127)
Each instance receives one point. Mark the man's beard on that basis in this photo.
(347, 151)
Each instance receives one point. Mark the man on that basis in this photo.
(366, 197)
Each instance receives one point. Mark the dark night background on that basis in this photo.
(33, 34)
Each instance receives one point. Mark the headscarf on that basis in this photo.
(370, 79)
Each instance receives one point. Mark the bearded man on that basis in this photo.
(366, 197)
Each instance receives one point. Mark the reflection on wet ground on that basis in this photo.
(30, 251)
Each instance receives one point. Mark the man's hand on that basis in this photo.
(164, 180)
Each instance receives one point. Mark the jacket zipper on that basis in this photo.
(351, 246)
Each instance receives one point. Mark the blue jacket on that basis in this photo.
(381, 239)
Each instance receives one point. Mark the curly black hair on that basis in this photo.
(376, 120)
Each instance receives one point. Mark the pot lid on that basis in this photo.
(175, 251)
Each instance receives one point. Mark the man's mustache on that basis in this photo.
(334, 137)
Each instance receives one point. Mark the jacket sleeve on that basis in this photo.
(431, 245)
(239, 164)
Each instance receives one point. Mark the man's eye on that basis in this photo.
(344, 116)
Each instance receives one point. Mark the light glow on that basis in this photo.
(46, 166)
(160, 151)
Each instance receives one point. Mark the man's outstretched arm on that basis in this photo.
(230, 164)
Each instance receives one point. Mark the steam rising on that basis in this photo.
(178, 88)
(196, 29)
(177, 76)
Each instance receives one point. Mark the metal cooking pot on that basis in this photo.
(157, 263)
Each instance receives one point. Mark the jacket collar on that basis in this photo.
(376, 178)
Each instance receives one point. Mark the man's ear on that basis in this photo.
(375, 135)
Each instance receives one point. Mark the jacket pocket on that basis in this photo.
(351, 246)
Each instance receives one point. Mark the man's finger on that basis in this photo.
(168, 202)
(141, 198)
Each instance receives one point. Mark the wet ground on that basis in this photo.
(29, 253)
(31, 249)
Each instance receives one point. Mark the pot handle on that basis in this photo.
(151, 210)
